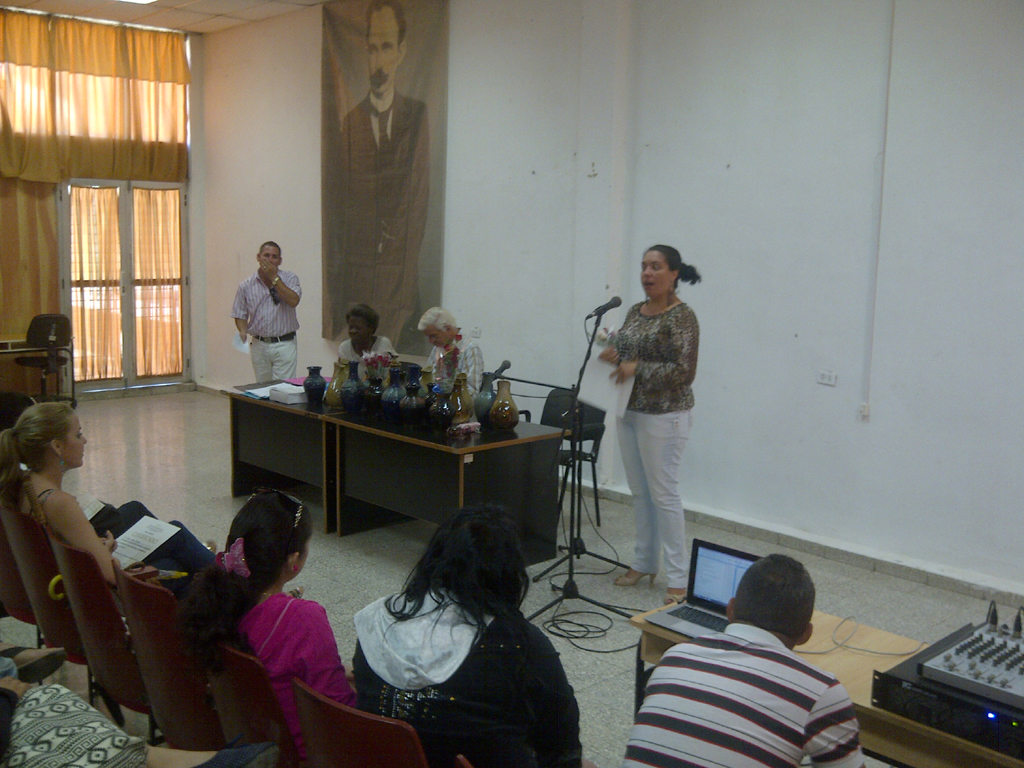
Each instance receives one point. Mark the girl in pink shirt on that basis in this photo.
(241, 601)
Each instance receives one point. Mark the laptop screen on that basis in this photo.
(716, 574)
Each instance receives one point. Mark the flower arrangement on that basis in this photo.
(376, 364)
(446, 366)
(606, 337)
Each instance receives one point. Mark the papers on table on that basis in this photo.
(141, 540)
(289, 394)
(600, 390)
(260, 393)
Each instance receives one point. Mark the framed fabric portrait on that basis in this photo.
(385, 75)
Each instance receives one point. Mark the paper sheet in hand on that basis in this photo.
(240, 345)
(600, 390)
(90, 505)
(139, 541)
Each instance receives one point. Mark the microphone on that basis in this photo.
(612, 303)
(505, 365)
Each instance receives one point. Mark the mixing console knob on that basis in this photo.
(947, 657)
(990, 678)
(976, 674)
(972, 665)
(1005, 683)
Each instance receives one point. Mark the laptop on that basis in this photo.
(715, 573)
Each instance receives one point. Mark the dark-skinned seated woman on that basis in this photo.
(48, 439)
(453, 655)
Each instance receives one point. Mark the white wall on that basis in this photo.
(754, 136)
(261, 168)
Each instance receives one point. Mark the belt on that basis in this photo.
(275, 339)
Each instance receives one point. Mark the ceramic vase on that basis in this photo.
(332, 396)
(389, 402)
(372, 394)
(413, 407)
(504, 413)
(315, 386)
(427, 385)
(462, 403)
(352, 390)
(484, 400)
(441, 411)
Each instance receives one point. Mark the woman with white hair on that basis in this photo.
(443, 332)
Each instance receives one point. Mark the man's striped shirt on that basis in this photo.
(254, 304)
(742, 699)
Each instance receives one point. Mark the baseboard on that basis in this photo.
(1002, 594)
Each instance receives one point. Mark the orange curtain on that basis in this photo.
(96, 283)
(157, 282)
(87, 100)
(29, 261)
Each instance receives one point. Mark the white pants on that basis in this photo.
(274, 361)
(652, 450)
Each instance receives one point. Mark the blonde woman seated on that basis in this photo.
(48, 439)
(362, 322)
(443, 333)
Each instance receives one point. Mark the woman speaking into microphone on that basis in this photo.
(657, 347)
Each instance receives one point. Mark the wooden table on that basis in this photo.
(372, 472)
(883, 735)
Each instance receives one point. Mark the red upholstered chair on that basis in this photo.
(12, 589)
(176, 690)
(248, 706)
(43, 583)
(104, 635)
(342, 737)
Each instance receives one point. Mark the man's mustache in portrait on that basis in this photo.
(378, 79)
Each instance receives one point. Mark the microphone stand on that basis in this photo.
(576, 548)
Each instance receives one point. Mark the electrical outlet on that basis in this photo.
(828, 378)
(475, 333)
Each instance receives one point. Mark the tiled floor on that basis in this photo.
(173, 453)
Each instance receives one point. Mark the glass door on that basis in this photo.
(128, 288)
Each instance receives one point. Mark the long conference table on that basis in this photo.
(883, 735)
(372, 473)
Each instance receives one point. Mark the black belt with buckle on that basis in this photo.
(275, 339)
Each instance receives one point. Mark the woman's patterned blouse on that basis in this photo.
(665, 348)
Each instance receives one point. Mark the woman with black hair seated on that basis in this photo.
(241, 601)
(453, 655)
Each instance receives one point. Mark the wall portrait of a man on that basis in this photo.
(385, 73)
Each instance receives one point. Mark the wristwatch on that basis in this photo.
(276, 281)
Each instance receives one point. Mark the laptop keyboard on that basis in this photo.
(688, 613)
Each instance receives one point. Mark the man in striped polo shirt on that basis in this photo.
(741, 698)
(265, 309)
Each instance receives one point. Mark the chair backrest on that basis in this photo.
(338, 736)
(104, 635)
(47, 331)
(12, 589)
(247, 704)
(557, 413)
(38, 569)
(174, 686)
(462, 762)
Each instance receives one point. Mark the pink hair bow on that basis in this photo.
(233, 560)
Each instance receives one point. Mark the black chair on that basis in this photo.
(556, 414)
(51, 333)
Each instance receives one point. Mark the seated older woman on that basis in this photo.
(362, 322)
(442, 331)
(453, 655)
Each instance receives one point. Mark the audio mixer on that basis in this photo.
(988, 663)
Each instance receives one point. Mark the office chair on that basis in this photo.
(51, 333)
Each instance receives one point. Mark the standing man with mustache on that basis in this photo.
(382, 183)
